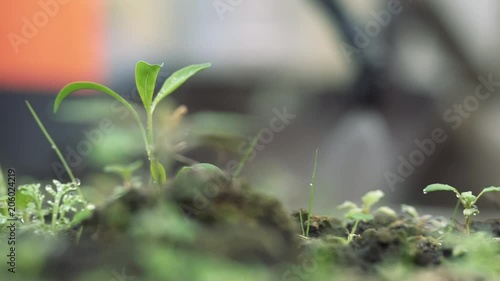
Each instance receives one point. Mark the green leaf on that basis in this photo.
(176, 80)
(123, 169)
(348, 205)
(76, 86)
(468, 198)
(145, 80)
(440, 187)
(362, 217)
(158, 172)
(487, 189)
(371, 198)
(410, 210)
(491, 189)
(84, 85)
(471, 211)
(80, 217)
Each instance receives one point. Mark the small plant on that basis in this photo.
(125, 172)
(305, 232)
(65, 209)
(145, 78)
(467, 199)
(362, 213)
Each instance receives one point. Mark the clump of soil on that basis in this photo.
(218, 217)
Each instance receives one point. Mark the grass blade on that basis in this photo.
(311, 194)
(54, 146)
(176, 80)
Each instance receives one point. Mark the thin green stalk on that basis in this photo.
(245, 157)
(454, 215)
(467, 224)
(54, 146)
(150, 135)
(311, 194)
(301, 223)
(353, 230)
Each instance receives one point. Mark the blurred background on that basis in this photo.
(395, 94)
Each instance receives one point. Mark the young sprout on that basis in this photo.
(305, 232)
(145, 78)
(362, 213)
(467, 199)
(124, 171)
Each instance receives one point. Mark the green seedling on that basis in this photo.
(362, 213)
(65, 209)
(54, 146)
(467, 199)
(145, 78)
(125, 172)
(305, 232)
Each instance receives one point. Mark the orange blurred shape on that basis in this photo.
(46, 44)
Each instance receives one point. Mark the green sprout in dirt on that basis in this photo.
(65, 209)
(305, 232)
(362, 213)
(145, 78)
(467, 199)
(125, 172)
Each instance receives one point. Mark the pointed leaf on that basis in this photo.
(176, 80)
(371, 198)
(145, 80)
(486, 190)
(158, 172)
(440, 187)
(491, 189)
(84, 85)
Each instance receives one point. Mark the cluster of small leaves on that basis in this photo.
(145, 78)
(467, 199)
(362, 213)
(64, 209)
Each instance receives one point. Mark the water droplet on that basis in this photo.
(78, 182)
(457, 195)
(474, 214)
(425, 192)
(22, 220)
(53, 147)
(310, 184)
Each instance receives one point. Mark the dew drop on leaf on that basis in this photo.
(425, 192)
(78, 182)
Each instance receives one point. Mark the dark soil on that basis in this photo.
(236, 224)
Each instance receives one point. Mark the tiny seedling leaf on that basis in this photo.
(468, 198)
(158, 172)
(410, 210)
(471, 211)
(362, 217)
(348, 205)
(440, 187)
(371, 198)
(486, 190)
(176, 80)
(77, 86)
(491, 189)
(145, 80)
